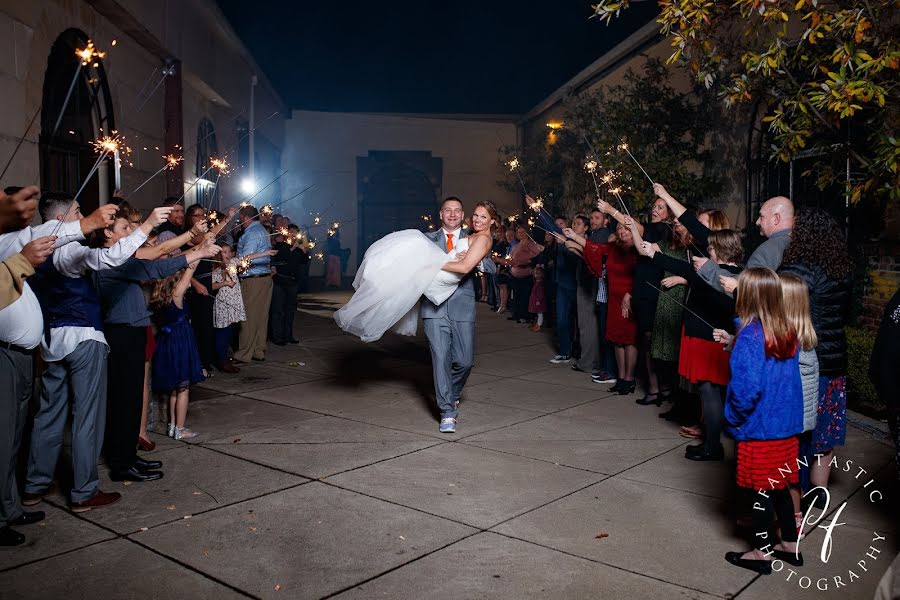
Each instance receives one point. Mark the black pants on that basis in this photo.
(713, 414)
(761, 517)
(521, 289)
(125, 377)
(200, 309)
(284, 307)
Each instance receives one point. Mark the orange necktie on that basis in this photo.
(449, 242)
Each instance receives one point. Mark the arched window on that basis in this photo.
(207, 148)
(66, 155)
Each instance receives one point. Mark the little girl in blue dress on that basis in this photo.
(176, 362)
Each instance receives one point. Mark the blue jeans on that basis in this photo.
(565, 306)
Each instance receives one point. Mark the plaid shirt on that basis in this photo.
(602, 295)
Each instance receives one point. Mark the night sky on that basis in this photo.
(403, 56)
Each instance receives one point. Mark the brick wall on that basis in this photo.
(884, 265)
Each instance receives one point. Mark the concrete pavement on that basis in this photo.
(321, 473)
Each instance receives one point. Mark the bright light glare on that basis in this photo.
(248, 186)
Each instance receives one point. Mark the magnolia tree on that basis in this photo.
(825, 74)
(667, 131)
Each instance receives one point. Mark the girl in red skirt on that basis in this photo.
(764, 413)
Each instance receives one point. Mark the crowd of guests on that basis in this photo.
(754, 349)
(109, 308)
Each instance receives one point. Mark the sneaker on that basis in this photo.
(96, 501)
(561, 359)
(602, 377)
(183, 433)
(448, 426)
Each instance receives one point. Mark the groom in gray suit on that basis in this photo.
(450, 326)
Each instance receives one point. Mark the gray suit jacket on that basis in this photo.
(461, 305)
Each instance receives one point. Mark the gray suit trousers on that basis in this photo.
(83, 372)
(15, 392)
(588, 330)
(452, 357)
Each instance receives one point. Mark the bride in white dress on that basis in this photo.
(402, 267)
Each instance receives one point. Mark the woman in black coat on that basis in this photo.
(818, 255)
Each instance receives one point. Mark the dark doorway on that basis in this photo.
(396, 188)
(66, 155)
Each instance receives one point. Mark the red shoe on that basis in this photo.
(96, 501)
(228, 367)
(145, 444)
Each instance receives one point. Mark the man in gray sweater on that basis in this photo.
(776, 219)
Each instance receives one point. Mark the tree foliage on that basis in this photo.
(826, 74)
(666, 130)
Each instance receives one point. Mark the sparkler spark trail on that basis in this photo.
(683, 306)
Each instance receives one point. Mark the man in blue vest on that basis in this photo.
(75, 350)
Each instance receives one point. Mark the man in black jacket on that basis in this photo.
(289, 263)
(883, 367)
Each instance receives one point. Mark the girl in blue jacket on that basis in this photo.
(764, 413)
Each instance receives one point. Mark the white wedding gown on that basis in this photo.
(396, 271)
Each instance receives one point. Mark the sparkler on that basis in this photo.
(514, 166)
(624, 146)
(301, 192)
(105, 146)
(683, 306)
(166, 72)
(87, 55)
(172, 161)
(21, 139)
(214, 163)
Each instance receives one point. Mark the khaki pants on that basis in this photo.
(257, 295)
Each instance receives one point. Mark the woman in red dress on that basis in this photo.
(621, 328)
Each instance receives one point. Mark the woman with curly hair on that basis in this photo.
(818, 255)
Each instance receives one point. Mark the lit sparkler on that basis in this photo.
(624, 146)
(220, 165)
(514, 167)
(172, 162)
(312, 244)
(267, 210)
(105, 146)
(87, 55)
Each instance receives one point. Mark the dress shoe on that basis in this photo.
(145, 444)
(11, 537)
(627, 387)
(789, 557)
(32, 499)
(28, 518)
(279, 343)
(263, 359)
(695, 449)
(96, 501)
(763, 567)
(147, 465)
(228, 367)
(705, 455)
(135, 474)
(293, 341)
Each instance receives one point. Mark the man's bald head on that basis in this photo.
(775, 215)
